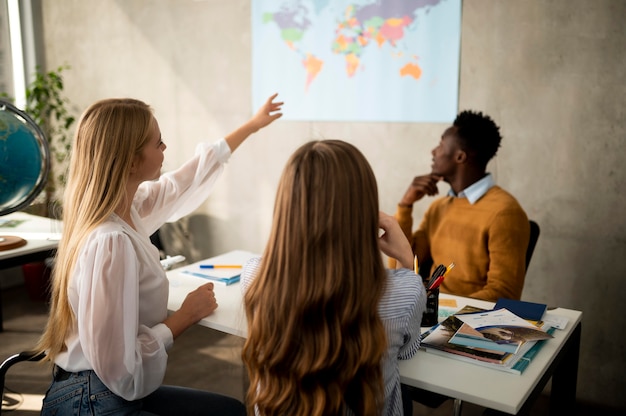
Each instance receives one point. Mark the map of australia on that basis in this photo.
(385, 60)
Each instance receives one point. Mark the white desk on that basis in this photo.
(229, 316)
(508, 393)
(505, 392)
(42, 238)
(41, 234)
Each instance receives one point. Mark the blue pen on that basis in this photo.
(220, 266)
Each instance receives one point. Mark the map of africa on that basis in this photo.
(341, 60)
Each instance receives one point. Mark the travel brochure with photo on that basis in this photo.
(526, 338)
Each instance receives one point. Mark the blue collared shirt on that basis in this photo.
(476, 190)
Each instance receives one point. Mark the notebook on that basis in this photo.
(527, 310)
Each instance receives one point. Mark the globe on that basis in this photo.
(24, 164)
(24, 159)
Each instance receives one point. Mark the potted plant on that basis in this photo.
(50, 109)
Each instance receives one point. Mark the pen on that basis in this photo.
(436, 283)
(220, 266)
(440, 270)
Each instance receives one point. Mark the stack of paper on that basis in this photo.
(438, 340)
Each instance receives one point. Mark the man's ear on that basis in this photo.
(461, 156)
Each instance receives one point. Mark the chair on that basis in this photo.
(532, 242)
(14, 359)
(156, 240)
(434, 400)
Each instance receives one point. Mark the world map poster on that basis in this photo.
(358, 60)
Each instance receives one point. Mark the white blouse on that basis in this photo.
(118, 291)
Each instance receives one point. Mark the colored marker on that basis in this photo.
(439, 271)
(435, 284)
(220, 266)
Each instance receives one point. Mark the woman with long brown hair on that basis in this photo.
(326, 322)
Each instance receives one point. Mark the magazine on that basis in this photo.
(436, 340)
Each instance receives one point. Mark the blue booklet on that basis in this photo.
(526, 310)
(521, 365)
(215, 278)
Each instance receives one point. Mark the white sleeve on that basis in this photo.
(129, 358)
(178, 193)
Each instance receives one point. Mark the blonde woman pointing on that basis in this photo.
(109, 331)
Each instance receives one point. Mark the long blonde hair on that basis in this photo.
(109, 135)
(315, 338)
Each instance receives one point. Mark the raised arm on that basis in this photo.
(268, 112)
(393, 242)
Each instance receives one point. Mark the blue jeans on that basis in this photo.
(83, 393)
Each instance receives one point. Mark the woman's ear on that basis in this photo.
(134, 165)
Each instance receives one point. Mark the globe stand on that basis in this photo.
(23, 144)
(9, 242)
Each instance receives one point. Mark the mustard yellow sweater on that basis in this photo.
(487, 242)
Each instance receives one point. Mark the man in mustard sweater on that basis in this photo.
(478, 226)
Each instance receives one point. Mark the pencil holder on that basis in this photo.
(431, 314)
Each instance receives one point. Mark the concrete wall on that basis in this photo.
(551, 73)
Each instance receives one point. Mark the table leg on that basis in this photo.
(563, 372)
(458, 407)
(564, 378)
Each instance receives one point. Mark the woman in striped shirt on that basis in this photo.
(326, 322)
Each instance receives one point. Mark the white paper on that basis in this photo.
(499, 317)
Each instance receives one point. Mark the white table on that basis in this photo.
(229, 316)
(42, 238)
(505, 392)
(41, 234)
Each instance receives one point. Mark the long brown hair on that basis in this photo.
(110, 134)
(315, 338)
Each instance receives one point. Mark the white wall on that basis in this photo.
(552, 74)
